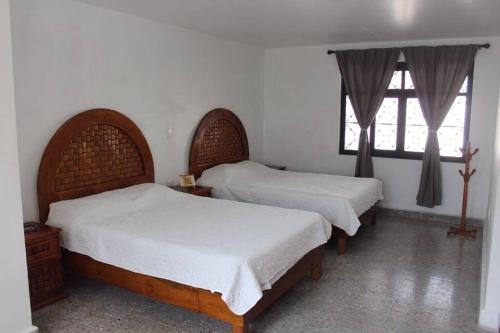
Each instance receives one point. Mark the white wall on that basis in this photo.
(302, 121)
(15, 315)
(489, 316)
(70, 57)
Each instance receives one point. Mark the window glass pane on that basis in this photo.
(350, 117)
(397, 77)
(416, 128)
(451, 132)
(456, 115)
(408, 81)
(450, 141)
(463, 89)
(386, 125)
(352, 129)
(351, 136)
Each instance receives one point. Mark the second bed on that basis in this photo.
(219, 158)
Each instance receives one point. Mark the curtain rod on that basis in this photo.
(481, 46)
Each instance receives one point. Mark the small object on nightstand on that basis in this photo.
(31, 227)
(277, 167)
(187, 181)
(45, 273)
(201, 191)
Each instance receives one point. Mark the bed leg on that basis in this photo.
(341, 244)
(373, 219)
(316, 272)
(236, 328)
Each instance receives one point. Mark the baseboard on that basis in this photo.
(429, 217)
(31, 329)
(489, 320)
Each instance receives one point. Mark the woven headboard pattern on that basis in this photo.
(98, 154)
(221, 142)
(220, 138)
(95, 151)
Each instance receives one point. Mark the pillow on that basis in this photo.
(106, 204)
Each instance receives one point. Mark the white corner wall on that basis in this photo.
(15, 314)
(302, 123)
(489, 315)
(70, 56)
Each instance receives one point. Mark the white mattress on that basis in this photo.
(339, 199)
(232, 248)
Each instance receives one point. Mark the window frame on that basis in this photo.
(402, 96)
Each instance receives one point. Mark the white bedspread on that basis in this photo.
(339, 199)
(233, 248)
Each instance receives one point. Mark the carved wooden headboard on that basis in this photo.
(95, 151)
(220, 138)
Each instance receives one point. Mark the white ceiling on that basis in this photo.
(280, 23)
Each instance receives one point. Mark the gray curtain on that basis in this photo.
(366, 75)
(437, 74)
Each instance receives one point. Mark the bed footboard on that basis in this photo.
(192, 298)
(368, 217)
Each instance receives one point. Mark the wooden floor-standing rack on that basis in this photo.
(462, 230)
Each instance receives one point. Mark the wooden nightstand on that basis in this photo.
(277, 167)
(45, 273)
(201, 191)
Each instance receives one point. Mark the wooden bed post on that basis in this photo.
(316, 272)
(341, 244)
(235, 328)
(341, 237)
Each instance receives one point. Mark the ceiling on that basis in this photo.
(281, 23)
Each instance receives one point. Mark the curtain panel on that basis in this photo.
(366, 75)
(437, 74)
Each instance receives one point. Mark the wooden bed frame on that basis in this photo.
(101, 150)
(221, 138)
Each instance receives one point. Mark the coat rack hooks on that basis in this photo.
(462, 230)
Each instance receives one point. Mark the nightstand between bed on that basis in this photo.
(201, 191)
(43, 254)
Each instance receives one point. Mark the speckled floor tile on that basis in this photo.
(402, 275)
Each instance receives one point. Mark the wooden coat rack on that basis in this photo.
(462, 230)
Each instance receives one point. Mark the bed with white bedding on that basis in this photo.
(339, 199)
(219, 157)
(232, 248)
(214, 257)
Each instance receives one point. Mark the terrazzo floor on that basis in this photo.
(401, 275)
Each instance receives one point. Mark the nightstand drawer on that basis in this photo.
(45, 283)
(43, 249)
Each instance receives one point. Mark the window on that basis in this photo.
(399, 129)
